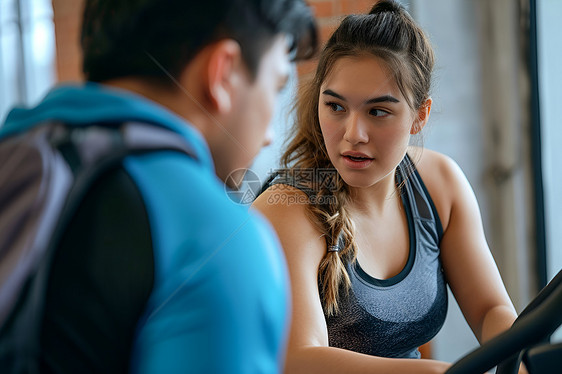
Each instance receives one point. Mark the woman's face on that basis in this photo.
(365, 120)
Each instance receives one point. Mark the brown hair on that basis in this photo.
(387, 32)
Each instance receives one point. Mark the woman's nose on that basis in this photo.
(355, 130)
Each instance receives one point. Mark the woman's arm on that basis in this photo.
(304, 247)
(469, 267)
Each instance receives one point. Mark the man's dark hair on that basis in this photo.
(157, 38)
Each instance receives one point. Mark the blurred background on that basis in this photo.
(497, 111)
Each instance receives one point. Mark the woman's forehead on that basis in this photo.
(361, 76)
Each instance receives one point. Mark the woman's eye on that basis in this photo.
(335, 107)
(378, 113)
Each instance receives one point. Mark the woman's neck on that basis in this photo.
(376, 199)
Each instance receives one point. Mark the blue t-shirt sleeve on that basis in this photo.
(220, 301)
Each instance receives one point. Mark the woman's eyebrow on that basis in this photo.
(380, 99)
(384, 98)
(332, 93)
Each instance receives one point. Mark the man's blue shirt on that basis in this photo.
(219, 302)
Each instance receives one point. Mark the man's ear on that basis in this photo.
(422, 117)
(221, 72)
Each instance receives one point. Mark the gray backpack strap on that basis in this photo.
(34, 182)
(44, 176)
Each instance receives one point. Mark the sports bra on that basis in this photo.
(393, 317)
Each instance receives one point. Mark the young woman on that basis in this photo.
(374, 229)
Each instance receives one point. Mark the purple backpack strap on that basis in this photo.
(44, 175)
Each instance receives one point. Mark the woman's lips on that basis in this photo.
(356, 160)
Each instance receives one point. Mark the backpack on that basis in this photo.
(44, 174)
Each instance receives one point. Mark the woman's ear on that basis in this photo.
(422, 117)
(223, 66)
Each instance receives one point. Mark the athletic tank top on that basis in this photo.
(393, 317)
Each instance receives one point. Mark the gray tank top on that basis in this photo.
(393, 317)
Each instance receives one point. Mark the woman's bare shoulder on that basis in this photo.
(433, 163)
(286, 207)
(444, 179)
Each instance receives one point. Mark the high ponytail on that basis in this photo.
(386, 6)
